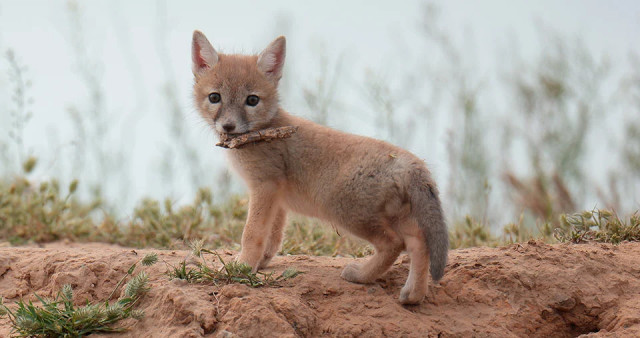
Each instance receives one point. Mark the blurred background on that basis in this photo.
(523, 110)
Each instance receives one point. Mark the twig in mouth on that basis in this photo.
(269, 134)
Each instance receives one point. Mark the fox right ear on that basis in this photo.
(203, 55)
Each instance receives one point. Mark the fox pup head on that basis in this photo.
(237, 93)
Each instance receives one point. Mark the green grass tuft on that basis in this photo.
(59, 317)
(227, 273)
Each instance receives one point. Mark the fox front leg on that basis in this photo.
(263, 207)
(275, 238)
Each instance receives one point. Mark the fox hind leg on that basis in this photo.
(388, 245)
(416, 286)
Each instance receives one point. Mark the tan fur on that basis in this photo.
(369, 188)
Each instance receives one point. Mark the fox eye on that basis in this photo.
(252, 100)
(214, 97)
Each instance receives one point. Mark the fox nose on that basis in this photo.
(228, 127)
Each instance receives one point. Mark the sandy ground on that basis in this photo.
(522, 290)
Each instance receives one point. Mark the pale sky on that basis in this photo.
(124, 40)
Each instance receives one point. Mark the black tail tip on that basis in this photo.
(437, 276)
(438, 266)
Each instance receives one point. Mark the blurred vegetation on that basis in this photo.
(599, 226)
(43, 212)
(517, 167)
(566, 115)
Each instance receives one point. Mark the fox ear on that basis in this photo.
(271, 60)
(203, 55)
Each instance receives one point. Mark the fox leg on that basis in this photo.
(275, 237)
(388, 245)
(257, 230)
(416, 286)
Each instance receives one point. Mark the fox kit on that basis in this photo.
(367, 187)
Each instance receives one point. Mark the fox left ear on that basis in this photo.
(271, 60)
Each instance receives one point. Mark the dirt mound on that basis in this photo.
(521, 290)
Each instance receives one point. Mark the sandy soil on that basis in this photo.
(522, 290)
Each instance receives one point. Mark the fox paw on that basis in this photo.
(243, 259)
(409, 296)
(352, 273)
(264, 262)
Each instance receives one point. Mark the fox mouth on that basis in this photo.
(234, 134)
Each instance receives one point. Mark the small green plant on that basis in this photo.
(598, 226)
(227, 273)
(59, 317)
(182, 272)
